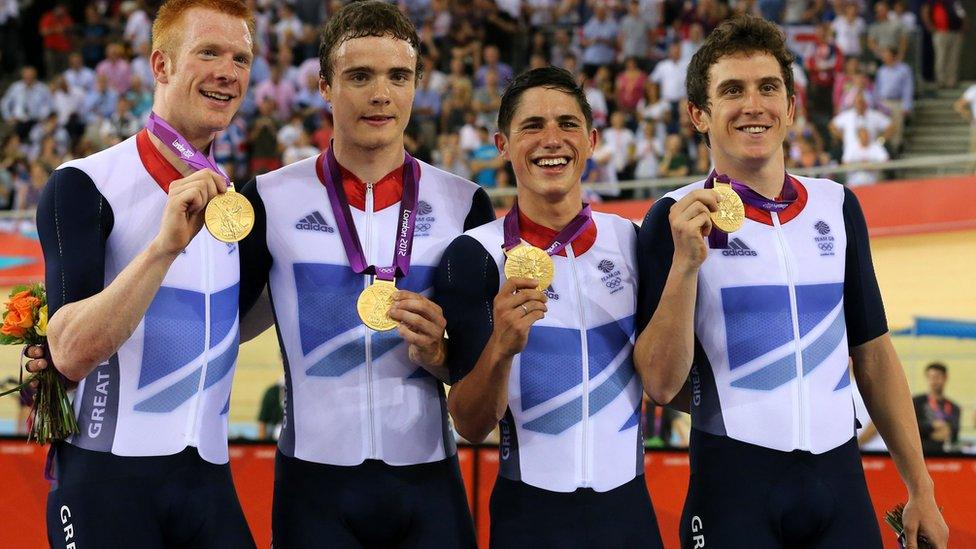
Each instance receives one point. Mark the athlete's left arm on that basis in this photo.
(881, 380)
(422, 323)
(256, 313)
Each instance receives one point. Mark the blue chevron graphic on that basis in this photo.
(558, 420)
(351, 355)
(783, 370)
(173, 333)
(632, 421)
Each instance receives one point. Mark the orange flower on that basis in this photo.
(11, 325)
(20, 314)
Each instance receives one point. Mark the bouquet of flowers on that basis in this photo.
(894, 519)
(25, 323)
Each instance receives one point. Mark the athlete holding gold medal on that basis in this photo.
(347, 244)
(540, 308)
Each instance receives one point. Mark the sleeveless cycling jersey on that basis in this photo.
(776, 313)
(574, 396)
(353, 393)
(168, 386)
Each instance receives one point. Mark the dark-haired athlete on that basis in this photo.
(763, 326)
(552, 368)
(366, 457)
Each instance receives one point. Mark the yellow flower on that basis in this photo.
(41, 327)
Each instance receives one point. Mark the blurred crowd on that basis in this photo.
(75, 78)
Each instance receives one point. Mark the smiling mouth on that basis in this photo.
(216, 96)
(754, 129)
(551, 162)
(378, 118)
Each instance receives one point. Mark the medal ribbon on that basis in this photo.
(513, 235)
(182, 148)
(945, 413)
(347, 228)
(718, 239)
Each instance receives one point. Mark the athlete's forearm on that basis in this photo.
(665, 349)
(479, 401)
(881, 381)
(83, 334)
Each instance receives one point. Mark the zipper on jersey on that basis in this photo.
(800, 439)
(369, 332)
(584, 347)
(206, 282)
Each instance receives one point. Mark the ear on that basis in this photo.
(159, 62)
(594, 139)
(700, 118)
(325, 89)
(501, 143)
(791, 111)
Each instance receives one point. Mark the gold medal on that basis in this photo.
(731, 212)
(374, 304)
(525, 261)
(229, 216)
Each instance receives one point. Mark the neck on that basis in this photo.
(369, 165)
(766, 179)
(200, 139)
(936, 394)
(552, 212)
(170, 156)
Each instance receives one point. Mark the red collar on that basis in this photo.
(762, 216)
(155, 163)
(386, 192)
(540, 236)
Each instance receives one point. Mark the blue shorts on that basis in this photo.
(526, 517)
(370, 505)
(746, 496)
(104, 500)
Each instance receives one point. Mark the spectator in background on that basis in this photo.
(669, 75)
(288, 29)
(622, 142)
(491, 63)
(630, 84)
(457, 105)
(66, 101)
(599, 38)
(647, 153)
(946, 21)
(138, 27)
(822, 66)
(864, 150)
(894, 86)
(845, 81)
(426, 113)
(486, 100)
(966, 107)
(635, 35)
(849, 30)
(25, 102)
(99, 101)
(938, 417)
(844, 126)
(263, 136)
(94, 36)
(664, 427)
(121, 125)
(55, 28)
(279, 90)
(675, 161)
(271, 414)
(597, 100)
(449, 156)
(77, 75)
(886, 33)
(140, 96)
(485, 160)
(229, 149)
(288, 134)
(308, 101)
(140, 65)
(562, 47)
(655, 112)
(116, 68)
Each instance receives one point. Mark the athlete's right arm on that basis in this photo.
(89, 323)
(486, 327)
(671, 249)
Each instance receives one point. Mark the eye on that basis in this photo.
(208, 52)
(242, 60)
(400, 77)
(569, 125)
(769, 88)
(732, 90)
(359, 77)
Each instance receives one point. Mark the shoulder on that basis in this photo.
(622, 228)
(102, 164)
(820, 188)
(297, 171)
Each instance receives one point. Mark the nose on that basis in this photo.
(226, 70)
(551, 138)
(753, 102)
(380, 93)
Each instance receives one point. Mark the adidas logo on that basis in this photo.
(314, 222)
(738, 247)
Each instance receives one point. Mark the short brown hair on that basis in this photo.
(362, 19)
(743, 34)
(165, 26)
